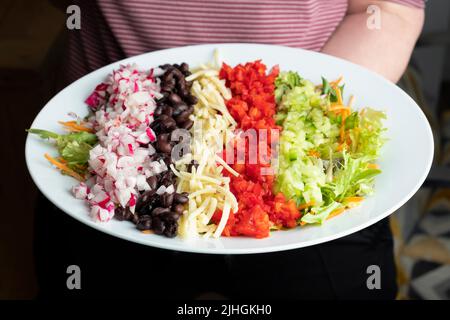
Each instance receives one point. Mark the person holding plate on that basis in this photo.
(379, 35)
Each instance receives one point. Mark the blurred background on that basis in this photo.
(32, 35)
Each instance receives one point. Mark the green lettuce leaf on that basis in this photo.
(353, 173)
(76, 152)
(73, 147)
(321, 215)
(368, 138)
(312, 166)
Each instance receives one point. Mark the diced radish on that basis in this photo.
(151, 135)
(80, 191)
(130, 149)
(123, 108)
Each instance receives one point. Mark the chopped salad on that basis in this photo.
(170, 150)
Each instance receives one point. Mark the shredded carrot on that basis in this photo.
(345, 111)
(336, 82)
(332, 83)
(338, 94)
(314, 153)
(336, 212)
(341, 147)
(373, 166)
(349, 140)
(353, 199)
(64, 168)
(336, 107)
(345, 114)
(302, 223)
(306, 205)
(342, 134)
(147, 231)
(74, 126)
(342, 131)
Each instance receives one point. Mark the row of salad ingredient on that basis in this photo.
(121, 152)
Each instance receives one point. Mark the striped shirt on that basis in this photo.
(114, 29)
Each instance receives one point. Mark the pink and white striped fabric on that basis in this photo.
(114, 29)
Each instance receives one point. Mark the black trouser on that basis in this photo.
(112, 267)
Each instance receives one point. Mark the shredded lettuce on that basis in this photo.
(320, 215)
(286, 81)
(312, 167)
(350, 175)
(368, 136)
(73, 147)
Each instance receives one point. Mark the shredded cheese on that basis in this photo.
(213, 128)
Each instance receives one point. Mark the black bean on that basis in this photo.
(178, 74)
(128, 215)
(152, 182)
(166, 200)
(182, 117)
(173, 111)
(172, 83)
(183, 91)
(191, 99)
(165, 66)
(135, 218)
(163, 118)
(181, 198)
(156, 125)
(178, 208)
(175, 99)
(167, 181)
(187, 124)
(169, 124)
(142, 211)
(164, 137)
(171, 230)
(176, 215)
(144, 223)
(160, 210)
(179, 109)
(181, 84)
(167, 175)
(158, 111)
(166, 87)
(184, 67)
(167, 76)
(168, 111)
(164, 147)
(158, 225)
(119, 213)
(144, 201)
(146, 197)
(170, 217)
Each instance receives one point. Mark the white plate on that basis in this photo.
(405, 161)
